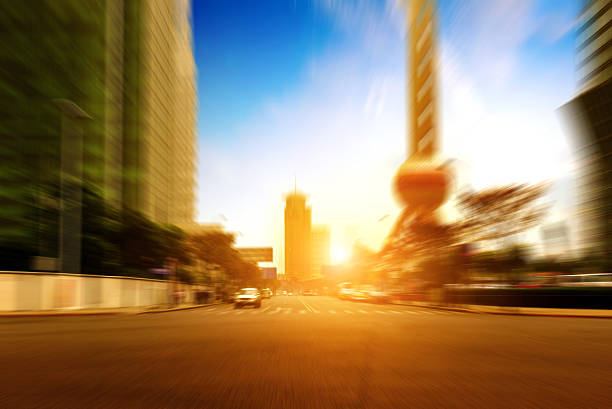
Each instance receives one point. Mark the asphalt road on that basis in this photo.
(306, 352)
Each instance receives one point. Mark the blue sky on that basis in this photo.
(315, 89)
(248, 50)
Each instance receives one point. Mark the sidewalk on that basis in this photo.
(527, 311)
(104, 311)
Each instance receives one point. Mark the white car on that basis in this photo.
(372, 294)
(248, 296)
(345, 291)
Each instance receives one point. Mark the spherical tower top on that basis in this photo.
(421, 185)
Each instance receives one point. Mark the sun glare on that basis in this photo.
(339, 255)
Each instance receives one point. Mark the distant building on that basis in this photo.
(298, 220)
(320, 249)
(555, 237)
(588, 118)
(269, 273)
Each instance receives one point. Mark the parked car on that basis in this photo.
(345, 291)
(373, 294)
(358, 294)
(248, 296)
(266, 293)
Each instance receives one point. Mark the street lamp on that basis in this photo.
(71, 186)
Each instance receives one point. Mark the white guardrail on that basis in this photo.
(35, 291)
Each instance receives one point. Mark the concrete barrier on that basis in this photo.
(36, 291)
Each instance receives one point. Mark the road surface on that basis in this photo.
(306, 352)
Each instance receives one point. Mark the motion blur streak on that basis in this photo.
(305, 203)
(204, 358)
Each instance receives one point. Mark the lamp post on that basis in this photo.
(71, 186)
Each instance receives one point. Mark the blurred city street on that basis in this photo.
(305, 204)
(305, 352)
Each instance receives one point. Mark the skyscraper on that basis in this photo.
(159, 155)
(129, 66)
(589, 121)
(298, 221)
(49, 51)
(593, 36)
(320, 246)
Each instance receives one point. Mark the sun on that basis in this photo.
(339, 255)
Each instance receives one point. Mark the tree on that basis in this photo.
(101, 225)
(174, 243)
(139, 244)
(486, 215)
(144, 244)
(218, 248)
(498, 212)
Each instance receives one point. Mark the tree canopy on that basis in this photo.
(217, 247)
(486, 215)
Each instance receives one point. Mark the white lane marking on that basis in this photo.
(288, 310)
(305, 304)
(348, 311)
(225, 312)
(239, 312)
(210, 309)
(275, 311)
(303, 312)
(381, 312)
(363, 312)
(395, 312)
(332, 311)
(266, 309)
(310, 307)
(409, 312)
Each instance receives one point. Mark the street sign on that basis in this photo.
(256, 254)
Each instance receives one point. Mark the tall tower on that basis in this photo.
(421, 80)
(298, 221)
(420, 185)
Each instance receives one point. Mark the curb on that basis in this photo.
(546, 314)
(63, 314)
(516, 311)
(191, 307)
(78, 313)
